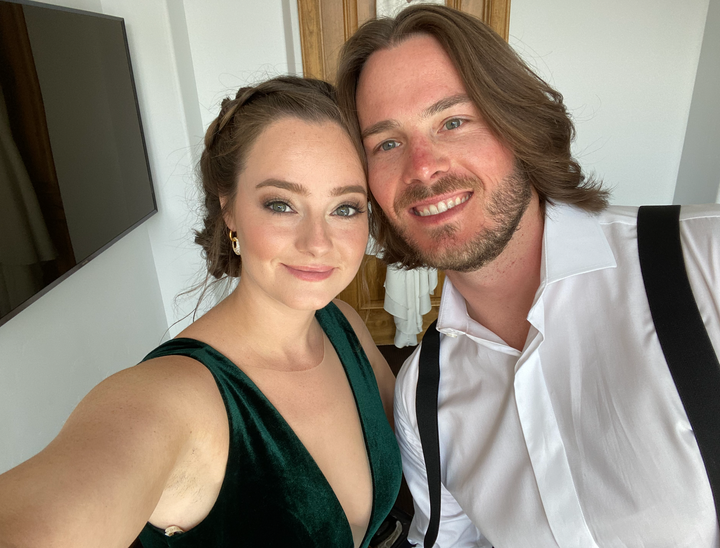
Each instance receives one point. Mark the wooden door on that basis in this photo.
(324, 27)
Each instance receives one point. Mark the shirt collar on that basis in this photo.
(573, 243)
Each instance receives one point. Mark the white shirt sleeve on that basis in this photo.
(456, 530)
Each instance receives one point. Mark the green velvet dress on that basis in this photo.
(273, 493)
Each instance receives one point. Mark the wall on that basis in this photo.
(216, 47)
(699, 175)
(103, 318)
(627, 71)
(186, 56)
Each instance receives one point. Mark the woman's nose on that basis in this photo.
(314, 236)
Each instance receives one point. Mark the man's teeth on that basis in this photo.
(441, 207)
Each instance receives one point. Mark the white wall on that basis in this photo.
(109, 314)
(627, 71)
(699, 175)
(103, 318)
(210, 49)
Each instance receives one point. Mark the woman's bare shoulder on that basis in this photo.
(100, 479)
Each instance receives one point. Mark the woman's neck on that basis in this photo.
(264, 331)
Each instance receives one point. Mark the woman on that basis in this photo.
(262, 423)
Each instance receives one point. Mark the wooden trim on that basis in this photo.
(311, 40)
(350, 17)
(498, 17)
(495, 13)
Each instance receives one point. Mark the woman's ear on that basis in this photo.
(227, 217)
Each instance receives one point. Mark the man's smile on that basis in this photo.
(441, 206)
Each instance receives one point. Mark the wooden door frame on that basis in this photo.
(319, 50)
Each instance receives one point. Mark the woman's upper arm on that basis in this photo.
(383, 374)
(99, 480)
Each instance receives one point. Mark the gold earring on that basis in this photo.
(235, 244)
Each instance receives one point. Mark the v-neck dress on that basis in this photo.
(274, 494)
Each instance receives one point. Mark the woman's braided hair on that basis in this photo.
(228, 141)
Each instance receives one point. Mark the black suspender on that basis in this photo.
(426, 410)
(683, 337)
(684, 340)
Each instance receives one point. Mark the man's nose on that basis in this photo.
(314, 236)
(426, 162)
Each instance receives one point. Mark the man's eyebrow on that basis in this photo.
(349, 189)
(442, 104)
(385, 125)
(445, 103)
(286, 185)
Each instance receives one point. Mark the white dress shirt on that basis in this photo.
(581, 439)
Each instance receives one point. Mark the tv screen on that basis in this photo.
(74, 173)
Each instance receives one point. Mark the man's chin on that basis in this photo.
(447, 251)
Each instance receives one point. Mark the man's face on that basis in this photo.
(447, 185)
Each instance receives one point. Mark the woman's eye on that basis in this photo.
(453, 124)
(278, 207)
(388, 145)
(346, 211)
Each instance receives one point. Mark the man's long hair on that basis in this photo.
(524, 112)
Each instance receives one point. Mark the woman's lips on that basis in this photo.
(310, 273)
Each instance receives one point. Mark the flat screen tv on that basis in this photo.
(74, 172)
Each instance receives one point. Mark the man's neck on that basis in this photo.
(500, 294)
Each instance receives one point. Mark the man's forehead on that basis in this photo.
(413, 76)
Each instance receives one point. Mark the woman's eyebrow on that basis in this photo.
(286, 185)
(349, 189)
(300, 189)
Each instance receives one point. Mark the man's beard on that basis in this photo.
(504, 210)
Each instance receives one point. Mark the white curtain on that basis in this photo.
(407, 298)
(390, 8)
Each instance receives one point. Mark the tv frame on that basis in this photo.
(25, 304)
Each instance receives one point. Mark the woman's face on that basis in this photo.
(300, 213)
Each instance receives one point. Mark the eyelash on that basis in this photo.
(352, 205)
(359, 209)
(379, 147)
(446, 122)
(270, 203)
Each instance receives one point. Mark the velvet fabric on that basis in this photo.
(274, 494)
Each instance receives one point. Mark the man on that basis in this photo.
(559, 421)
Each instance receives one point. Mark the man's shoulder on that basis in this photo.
(628, 214)
(703, 211)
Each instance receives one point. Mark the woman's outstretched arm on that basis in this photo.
(101, 478)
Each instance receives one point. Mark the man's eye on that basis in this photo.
(346, 211)
(453, 124)
(278, 207)
(388, 145)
